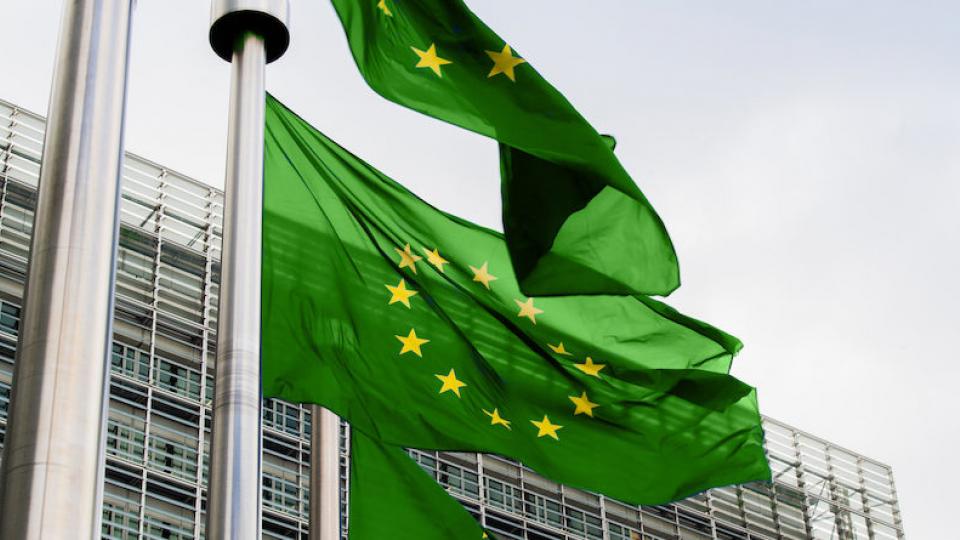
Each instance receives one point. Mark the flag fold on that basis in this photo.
(569, 207)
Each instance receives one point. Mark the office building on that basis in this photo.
(158, 431)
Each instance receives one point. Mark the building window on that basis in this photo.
(281, 494)
(208, 392)
(205, 479)
(18, 219)
(503, 496)
(619, 532)
(130, 362)
(125, 441)
(8, 350)
(168, 513)
(178, 379)
(543, 510)
(173, 458)
(584, 524)
(119, 523)
(9, 318)
(158, 529)
(282, 416)
(426, 461)
(458, 480)
(4, 400)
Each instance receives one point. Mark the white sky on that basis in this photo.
(804, 155)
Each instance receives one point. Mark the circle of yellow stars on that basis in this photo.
(449, 382)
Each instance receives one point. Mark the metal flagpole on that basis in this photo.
(53, 459)
(324, 475)
(249, 34)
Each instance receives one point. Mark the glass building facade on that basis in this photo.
(158, 430)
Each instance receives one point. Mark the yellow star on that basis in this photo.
(546, 428)
(504, 62)
(450, 382)
(590, 368)
(400, 293)
(559, 349)
(429, 59)
(412, 343)
(482, 275)
(527, 310)
(434, 258)
(584, 405)
(495, 418)
(383, 7)
(407, 258)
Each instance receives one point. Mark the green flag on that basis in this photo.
(392, 497)
(575, 222)
(409, 323)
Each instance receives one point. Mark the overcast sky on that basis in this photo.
(805, 157)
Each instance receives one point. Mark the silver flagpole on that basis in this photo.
(53, 459)
(324, 475)
(249, 34)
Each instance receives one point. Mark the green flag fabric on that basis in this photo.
(574, 220)
(409, 323)
(393, 497)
